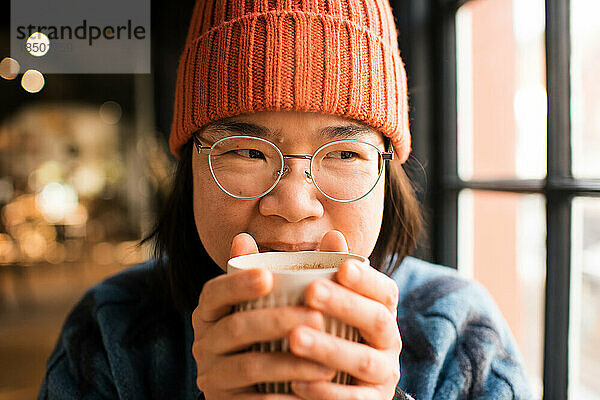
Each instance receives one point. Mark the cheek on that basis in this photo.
(360, 222)
(218, 217)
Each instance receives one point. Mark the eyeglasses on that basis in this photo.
(248, 167)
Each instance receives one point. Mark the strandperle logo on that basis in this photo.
(81, 36)
(85, 32)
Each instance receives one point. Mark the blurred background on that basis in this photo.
(505, 118)
(84, 168)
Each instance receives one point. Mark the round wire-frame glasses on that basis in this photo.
(385, 155)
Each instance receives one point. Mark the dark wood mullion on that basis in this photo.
(568, 186)
(445, 131)
(575, 186)
(556, 337)
(558, 209)
(508, 185)
(559, 187)
(452, 4)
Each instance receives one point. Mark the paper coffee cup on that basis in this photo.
(292, 273)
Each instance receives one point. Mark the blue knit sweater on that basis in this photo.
(120, 342)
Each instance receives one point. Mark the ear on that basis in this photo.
(333, 241)
(242, 244)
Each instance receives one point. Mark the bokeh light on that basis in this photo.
(49, 171)
(8, 251)
(78, 217)
(56, 201)
(32, 81)
(110, 112)
(114, 170)
(47, 231)
(13, 214)
(18, 210)
(32, 243)
(56, 253)
(89, 180)
(9, 68)
(38, 44)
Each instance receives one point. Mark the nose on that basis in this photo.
(295, 197)
(286, 169)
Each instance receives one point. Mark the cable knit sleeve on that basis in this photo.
(121, 342)
(78, 368)
(456, 344)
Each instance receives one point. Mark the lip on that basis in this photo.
(280, 246)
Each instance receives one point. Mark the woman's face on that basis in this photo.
(294, 215)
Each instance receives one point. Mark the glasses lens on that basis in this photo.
(245, 167)
(347, 170)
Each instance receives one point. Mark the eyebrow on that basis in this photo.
(347, 131)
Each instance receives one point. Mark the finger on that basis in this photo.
(321, 390)
(242, 244)
(333, 241)
(357, 359)
(367, 281)
(221, 293)
(376, 324)
(239, 330)
(246, 369)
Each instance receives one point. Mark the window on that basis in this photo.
(504, 115)
(501, 136)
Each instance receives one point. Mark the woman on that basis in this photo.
(291, 128)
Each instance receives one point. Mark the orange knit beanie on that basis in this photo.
(329, 56)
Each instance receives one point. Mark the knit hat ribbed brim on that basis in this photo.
(336, 57)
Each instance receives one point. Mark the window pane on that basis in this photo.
(502, 245)
(585, 87)
(501, 89)
(584, 335)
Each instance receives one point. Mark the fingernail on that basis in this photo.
(352, 272)
(258, 279)
(321, 292)
(306, 339)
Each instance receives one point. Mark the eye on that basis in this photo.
(250, 153)
(342, 154)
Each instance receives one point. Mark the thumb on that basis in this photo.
(333, 241)
(242, 244)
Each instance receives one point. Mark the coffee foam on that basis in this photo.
(299, 267)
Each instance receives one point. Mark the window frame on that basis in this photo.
(427, 40)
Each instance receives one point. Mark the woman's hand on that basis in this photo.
(222, 371)
(366, 299)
